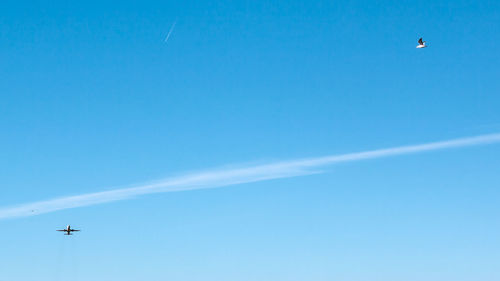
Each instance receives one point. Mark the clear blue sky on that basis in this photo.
(91, 98)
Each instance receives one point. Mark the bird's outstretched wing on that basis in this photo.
(75, 230)
(61, 230)
(420, 41)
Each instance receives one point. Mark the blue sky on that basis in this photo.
(92, 98)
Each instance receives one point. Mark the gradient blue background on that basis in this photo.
(92, 98)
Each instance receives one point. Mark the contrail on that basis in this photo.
(233, 176)
(170, 31)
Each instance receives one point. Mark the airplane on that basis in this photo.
(68, 230)
(421, 43)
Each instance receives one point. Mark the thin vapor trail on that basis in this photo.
(170, 31)
(233, 176)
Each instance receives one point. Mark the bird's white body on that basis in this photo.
(421, 46)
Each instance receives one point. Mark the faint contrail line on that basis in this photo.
(170, 31)
(232, 176)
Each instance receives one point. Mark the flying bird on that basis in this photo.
(421, 43)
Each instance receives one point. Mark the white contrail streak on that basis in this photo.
(170, 31)
(225, 177)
